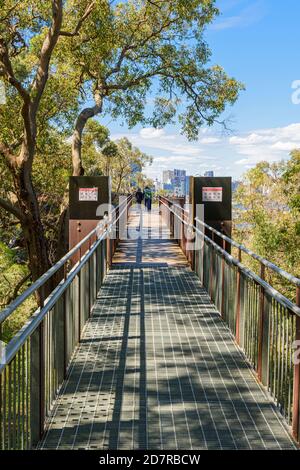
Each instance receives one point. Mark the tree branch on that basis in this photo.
(9, 11)
(134, 81)
(17, 288)
(9, 207)
(87, 12)
(9, 73)
(46, 52)
(6, 152)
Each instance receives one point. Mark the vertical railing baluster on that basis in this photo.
(9, 408)
(296, 391)
(263, 335)
(66, 300)
(4, 409)
(238, 300)
(261, 323)
(1, 409)
(15, 395)
(79, 299)
(223, 261)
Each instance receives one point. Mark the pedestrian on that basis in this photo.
(139, 196)
(148, 197)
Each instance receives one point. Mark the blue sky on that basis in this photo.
(258, 42)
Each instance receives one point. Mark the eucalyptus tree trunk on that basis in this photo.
(20, 165)
(78, 170)
(32, 227)
(33, 230)
(83, 117)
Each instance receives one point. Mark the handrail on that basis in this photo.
(293, 279)
(268, 288)
(24, 333)
(7, 311)
(40, 353)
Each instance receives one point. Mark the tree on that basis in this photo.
(129, 163)
(20, 162)
(53, 53)
(268, 218)
(120, 160)
(291, 178)
(38, 93)
(129, 51)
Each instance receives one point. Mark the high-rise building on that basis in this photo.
(187, 185)
(175, 182)
(168, 175)
(135, 169)
(179, 182)
(157, 185)
(209, 174)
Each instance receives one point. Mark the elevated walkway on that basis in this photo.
(157, 368)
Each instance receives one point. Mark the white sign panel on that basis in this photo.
(88, 194)
(212, 194)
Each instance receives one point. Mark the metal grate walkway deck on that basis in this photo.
(157, 368)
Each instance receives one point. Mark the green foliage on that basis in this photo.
(12, 272)
(269, 217)
(127, 51)
(291, 178)
(117, 159)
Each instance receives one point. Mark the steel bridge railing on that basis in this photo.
(265, 323)
(35, 362)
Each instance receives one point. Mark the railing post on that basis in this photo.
(89, 280)
(66, 301)
(182, 233)
(261, 325)
(203, 258)
(108, 251)
(296, 391)
(37, 380)
(79, 299)
(223, 283)
(211, 270)
(192, 258)
(35, 387)
(171, 222)
(238, 300)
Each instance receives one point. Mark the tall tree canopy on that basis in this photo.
(128, 52)
(120, 160)
(56, 55)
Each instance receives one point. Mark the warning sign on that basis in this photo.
(212, 194)
(88, 194)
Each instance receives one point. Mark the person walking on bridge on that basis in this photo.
(139, 196)
(148, 197)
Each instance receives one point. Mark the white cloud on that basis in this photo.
(247, 16)
(288, 146)
(158, 139)
(267, 144)
(209, 140)
(223, 154)
(151, 133)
